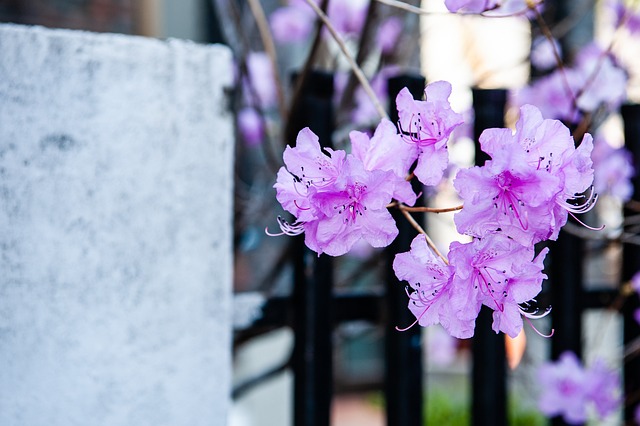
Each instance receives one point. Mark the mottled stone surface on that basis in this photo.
(115, 230)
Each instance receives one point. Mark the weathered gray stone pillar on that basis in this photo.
(115, 230)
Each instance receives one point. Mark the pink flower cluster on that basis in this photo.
(339, 198)
(523, 195)
(569, 389)
(520, 197)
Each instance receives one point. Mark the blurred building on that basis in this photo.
(186, 19)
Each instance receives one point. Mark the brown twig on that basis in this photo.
(352, 63)
(417, 226)
(407, 7)
(547, 33)
(363, 50)
(429, 209)
(296, 97)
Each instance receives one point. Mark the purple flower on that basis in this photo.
(613, 169)
(635, 282)
(307, 170)
(431, 289)
(523, 191)
(549, 146)
(261, 80)
(471, 6)
(552, 95)
(568, 388)
(334, 199)
(595, 80)
(564, 389)
(353, 209)
(603, 388)
(429, 124)
(497, 272)
(631, 14)
(490, 7)
(387, 151)
(291, 24)
(543, 53)
(507, 196)
(365, 113)
(348, 16)
(388, 34)
(251, 126)
(609, 85)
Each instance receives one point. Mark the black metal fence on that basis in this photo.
(313, 310)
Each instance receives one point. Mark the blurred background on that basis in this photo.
(470, 52)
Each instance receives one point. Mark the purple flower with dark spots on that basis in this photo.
(428, 124)
(386, 150)
(308, 170)
(334, 199)
(497, 272)
(430, 289)
(354, 208)
(534, 179)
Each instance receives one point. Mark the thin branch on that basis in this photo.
(547, 33)
(430, 209)
(354, 66)
(417, 226)
(225, 11)
(407, 7)
(269, 47)
(296, 97)
(563, 27)
(363, 49)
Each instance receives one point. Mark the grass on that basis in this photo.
(444, 409)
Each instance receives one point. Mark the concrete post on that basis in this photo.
(116, 159)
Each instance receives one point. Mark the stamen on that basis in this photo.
(415, 135)
(533, 314)
(266, 231)
(415, 322)
(600, 228)
(412, 324)
(300, 207)
(489, 291)
(291, 229)
(538, 331)
(584, 206)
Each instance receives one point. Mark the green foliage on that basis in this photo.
(447, 409)
(443, 410)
